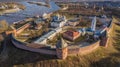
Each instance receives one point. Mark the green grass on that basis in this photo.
(79, 39)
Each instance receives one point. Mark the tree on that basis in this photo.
(3, 25)
(1, 38)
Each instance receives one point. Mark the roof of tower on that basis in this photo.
(61, 43)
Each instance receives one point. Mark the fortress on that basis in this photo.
(62, 49)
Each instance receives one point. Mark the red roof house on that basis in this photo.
(71, 35)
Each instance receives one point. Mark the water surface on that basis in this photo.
(30, 11)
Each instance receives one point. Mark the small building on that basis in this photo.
(61, 49)
(46, 15)
(15, 6)
(2, 7)
(44, 38)
(48, 36)
(25, 34)
(58, 21)
(72, 22)
(82, 31)
(37, 24)
(71, 35)
(40, 20)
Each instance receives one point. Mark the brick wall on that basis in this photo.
(9, 32)
(73, 51)
(22, 28)
(84, 50)
(89, 48)
(23, 46)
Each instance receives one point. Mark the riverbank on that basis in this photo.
(9, 11)
(10, 7)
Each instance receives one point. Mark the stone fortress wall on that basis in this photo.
(19, 30)
(84, 50)
(74, 51)
(22, 45)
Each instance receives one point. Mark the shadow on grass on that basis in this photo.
(118, 31)
(112, 61)
(117, 40)
(18, 56)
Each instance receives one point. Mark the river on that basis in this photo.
(30, 11)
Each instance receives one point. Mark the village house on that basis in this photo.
(71, 35)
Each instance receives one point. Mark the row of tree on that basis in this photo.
(11, 5)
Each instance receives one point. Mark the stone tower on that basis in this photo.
(14, 30)
(61, 49)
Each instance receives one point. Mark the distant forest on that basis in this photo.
(54, 0)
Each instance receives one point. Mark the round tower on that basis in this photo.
(61, 49)
(15, 32)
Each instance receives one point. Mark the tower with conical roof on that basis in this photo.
(61, 49)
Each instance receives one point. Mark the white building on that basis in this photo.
(58, 21)
(72, 22)
(48, 36)
(46, 15)
(2, 7)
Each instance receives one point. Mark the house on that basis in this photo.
(38, 27)
(37, 24)
(39, 20)
(46, 15)
(73, 22)
(71, 35)
(2, 7)
(15, 6)
(58, 21)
